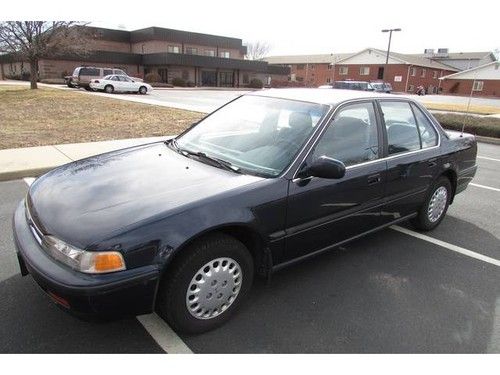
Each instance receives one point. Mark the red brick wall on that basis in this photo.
(463, 87)
(313, 75)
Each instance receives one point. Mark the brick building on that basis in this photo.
(404, 71)
(482, 80)
(199, 59)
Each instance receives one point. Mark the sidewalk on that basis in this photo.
(33, 161)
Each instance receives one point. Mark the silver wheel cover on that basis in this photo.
(214, 288)
(437, 204)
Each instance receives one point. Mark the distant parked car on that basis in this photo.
(382, 87)
(327, 86)
(353, 85)
(119, 83)
(82, 76)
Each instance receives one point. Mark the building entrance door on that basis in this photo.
(163, 74)
(208, 78)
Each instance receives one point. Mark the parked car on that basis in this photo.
(119, 83)
(353, 85)
(82, 76)
(381, 87)
(271, 178)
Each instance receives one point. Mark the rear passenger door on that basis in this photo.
(412, 154)
(323, 212)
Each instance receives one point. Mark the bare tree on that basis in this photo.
(32, 40)
(257, 50)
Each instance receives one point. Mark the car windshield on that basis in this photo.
(256, 135)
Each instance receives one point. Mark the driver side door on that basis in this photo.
(324, 212)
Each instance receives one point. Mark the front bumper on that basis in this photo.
(129, 292)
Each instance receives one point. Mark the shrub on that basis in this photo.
(152, 77)
(53, 81)
(161, 84)
(255, 84)
(177, 81)
(482, 126)
(189, 84)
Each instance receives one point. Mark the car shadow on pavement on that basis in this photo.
(384, 293)
(32, 323)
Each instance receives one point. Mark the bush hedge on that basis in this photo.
(255, 84)
(482, 126)
(152, 77)
(53, 81)
(179, 82)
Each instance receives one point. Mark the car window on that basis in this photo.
(107, 72)
(120, 72)
(122, 78)
(428, 134)
(115, 78)
(90, 72)
(402, 132)
(351, 136)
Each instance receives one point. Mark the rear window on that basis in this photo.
(120, 72)
(90, 72)
(107, 72)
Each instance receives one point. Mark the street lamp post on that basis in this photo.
(388, 48)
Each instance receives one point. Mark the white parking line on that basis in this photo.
(154, 325)
(484, 187)
(487, 158)
(163, 334)
(447, 245)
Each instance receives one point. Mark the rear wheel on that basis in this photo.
(143, 90)
(87, 88)
(435, 207)
(206, 285)
(109, 89)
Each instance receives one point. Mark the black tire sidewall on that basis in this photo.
(172, 298)
(106, 89)
(423, 221)
(143, 88)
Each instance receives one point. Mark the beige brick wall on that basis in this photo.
(106, 45)
(58, 68)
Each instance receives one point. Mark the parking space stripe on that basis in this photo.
(164, 336)
(447, 245)
(484, 187)
(487, 158)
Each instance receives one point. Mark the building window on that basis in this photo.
(191, 50)
(413, 72)
(478, 86)
(328, 80)
(312, 66)
(225, 54)
(173, 49)
(343, 70)
(300, 66)
(364, 71)
(330, 66)
(424, 71)
(209, 52)
(435, 74)
(411, 88)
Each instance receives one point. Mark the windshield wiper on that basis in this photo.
(214, 161)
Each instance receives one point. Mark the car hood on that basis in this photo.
(88, 200)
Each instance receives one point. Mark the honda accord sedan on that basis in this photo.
(182, 227)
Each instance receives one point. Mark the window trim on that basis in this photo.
(363, 67)
(346, 70)
(480, 84)
(413, 109)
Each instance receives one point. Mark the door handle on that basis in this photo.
(432, 163)
(374, 179)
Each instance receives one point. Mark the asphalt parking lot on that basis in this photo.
(389, 292)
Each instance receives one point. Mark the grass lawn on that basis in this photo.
(479, 109)
(50, 116)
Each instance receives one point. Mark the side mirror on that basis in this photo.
(324, 167)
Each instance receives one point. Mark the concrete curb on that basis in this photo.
(493, 141)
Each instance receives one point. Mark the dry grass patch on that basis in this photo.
(50, 116)
(479, 109)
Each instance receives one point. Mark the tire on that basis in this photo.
(143, 90)
(109, 89)
(222, 262)
(429, 218)
(87, 88)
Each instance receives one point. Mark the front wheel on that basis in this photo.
(143, 90)
(109, 89)
(435, 207)
(205, 286)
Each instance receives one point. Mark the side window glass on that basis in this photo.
(428, 134)
(402, 132)
(351, 136)
(107, 72)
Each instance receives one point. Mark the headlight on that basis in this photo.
(84, 261)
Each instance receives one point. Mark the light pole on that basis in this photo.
(388, 49)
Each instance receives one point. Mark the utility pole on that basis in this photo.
(388, 49)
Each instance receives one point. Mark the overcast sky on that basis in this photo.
(298, 27)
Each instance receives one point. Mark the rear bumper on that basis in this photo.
(130, 292)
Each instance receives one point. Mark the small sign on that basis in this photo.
(398, 78)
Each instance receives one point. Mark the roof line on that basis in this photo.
(470, 70)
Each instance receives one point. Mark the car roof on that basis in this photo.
(321, 96)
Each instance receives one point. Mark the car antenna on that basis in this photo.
(466, 116)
